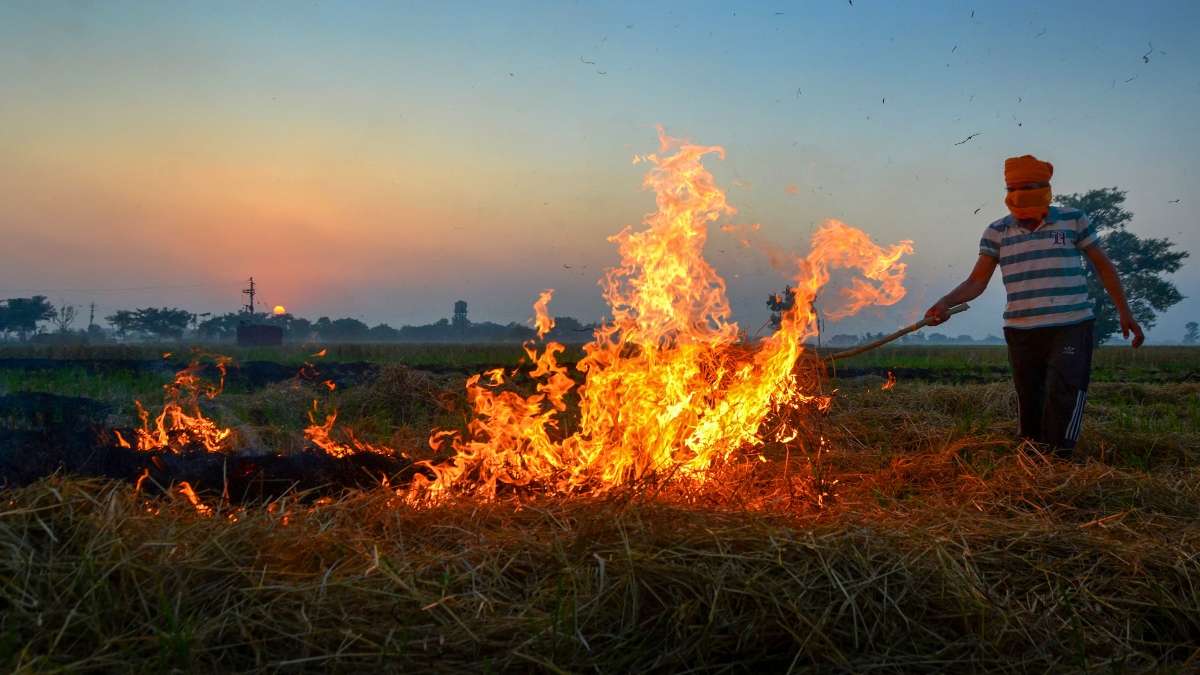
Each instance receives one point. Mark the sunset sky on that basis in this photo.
(381, 160)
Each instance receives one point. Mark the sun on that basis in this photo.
(279, 309)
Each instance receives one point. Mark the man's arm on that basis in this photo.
(968, 290)
(1112, 283)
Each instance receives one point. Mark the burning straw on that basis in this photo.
(668, 390)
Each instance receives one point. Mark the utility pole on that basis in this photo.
(91, 315)
(249, 306)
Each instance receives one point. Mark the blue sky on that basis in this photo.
(381, 160)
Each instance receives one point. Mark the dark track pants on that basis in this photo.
(1051, 369)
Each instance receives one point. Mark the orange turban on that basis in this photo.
(1027, 169)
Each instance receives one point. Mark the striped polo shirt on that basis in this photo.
(1043, 269)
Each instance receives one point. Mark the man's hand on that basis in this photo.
(1129, 325)
(1112, 283)
(938, 313)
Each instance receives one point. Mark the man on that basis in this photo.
(1048, 319)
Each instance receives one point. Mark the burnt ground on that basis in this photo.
(43, 434)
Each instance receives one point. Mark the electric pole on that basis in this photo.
(249, 306)
(91, 315)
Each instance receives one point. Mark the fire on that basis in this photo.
(668, 389)
(279, 310)
(186, 490)
(137, 487)
(181, 424)
(320, 435)
(891, 381)
(542, 319)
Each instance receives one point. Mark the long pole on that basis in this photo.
(249, 306)
(874, 344)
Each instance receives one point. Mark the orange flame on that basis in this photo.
(181, 423)
(320, 435)
(542, 319)
(837, 244)
(891, 381)
(141, 479)
(323, 352)
(667, 390)
(186, 490)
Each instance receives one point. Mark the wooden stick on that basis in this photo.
(855, 351)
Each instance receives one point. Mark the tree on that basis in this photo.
(843, 340)
(22, 315)
(1193, 333)
(299, 329)
(64, 316)
(341, 330)
(1140, 262)
(779, 304)
(294, 328)
(160, 322)
(223, 327)
(383, 333)
(123, 321)
(163, 322)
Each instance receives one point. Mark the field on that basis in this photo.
(923, 538)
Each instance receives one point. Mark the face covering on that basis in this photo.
(1029, 204)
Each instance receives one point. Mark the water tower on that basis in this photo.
(460, 315)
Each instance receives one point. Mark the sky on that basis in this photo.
(382, 160)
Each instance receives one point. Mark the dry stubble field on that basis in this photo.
(923, 539)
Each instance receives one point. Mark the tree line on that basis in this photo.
(38, 319)
(917, 338)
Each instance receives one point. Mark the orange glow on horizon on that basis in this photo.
(279, 309)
